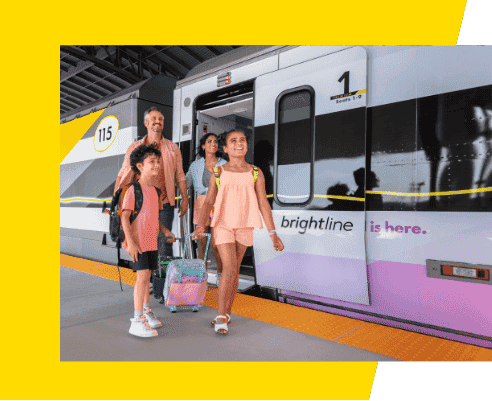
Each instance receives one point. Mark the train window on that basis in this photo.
(294, 147)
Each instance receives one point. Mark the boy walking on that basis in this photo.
(141, 236)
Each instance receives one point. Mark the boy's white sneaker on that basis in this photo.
(139, 328)
(152, 320)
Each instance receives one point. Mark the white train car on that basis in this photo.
(88, 173)
(378, 164)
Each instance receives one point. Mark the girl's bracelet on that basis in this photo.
(272, 232)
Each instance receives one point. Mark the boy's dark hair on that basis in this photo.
(140, 154)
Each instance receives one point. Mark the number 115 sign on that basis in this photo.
(105, 133)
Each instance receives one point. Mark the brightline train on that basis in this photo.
(378, 167)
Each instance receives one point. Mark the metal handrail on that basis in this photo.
(184, 229)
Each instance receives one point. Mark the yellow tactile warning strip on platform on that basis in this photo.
(409, 346)
(316, 323)
(98, 269)
(392, 342)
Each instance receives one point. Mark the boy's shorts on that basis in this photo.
(146, 261)
(224, 235)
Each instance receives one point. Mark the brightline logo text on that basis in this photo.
(321, 224)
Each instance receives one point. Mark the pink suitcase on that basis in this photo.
(186, 282)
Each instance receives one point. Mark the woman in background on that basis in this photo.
(199, 175)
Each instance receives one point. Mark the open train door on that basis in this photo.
(310, 130)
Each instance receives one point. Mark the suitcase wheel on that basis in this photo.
(173, 309)
(196, 309)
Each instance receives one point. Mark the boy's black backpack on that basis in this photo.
(115, 227)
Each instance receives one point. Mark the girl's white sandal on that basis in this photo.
(221, 326)
(228, 320)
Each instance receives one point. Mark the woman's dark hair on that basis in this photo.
(140, 154)
(203, 140)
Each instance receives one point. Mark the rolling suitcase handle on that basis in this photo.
(169, 261)
(204, 259)
(159, 280)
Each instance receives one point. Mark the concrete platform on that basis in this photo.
(95, 318)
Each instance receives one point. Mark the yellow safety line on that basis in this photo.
(334, 197)
(361, 91)
(179, 197)
(340, 197)
(85, 200)
(464, 191)
(351, 198)
(96, 200)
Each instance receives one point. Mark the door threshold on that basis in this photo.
(245, 282)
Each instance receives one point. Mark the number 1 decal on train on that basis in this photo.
(346, 96)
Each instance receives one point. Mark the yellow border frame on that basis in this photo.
(31, 325)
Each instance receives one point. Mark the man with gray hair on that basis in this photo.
(171, 171)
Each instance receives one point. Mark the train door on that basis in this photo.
(310, 129)
(219, 112)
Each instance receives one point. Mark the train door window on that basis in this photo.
(294, 147)
(224, 110)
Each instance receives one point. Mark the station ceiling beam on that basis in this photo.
(81, 66)
(214, 51)
(127, 76)
(187, 50)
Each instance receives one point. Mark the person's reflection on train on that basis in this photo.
(373, 201)
(487, 196)
(359, 178)
(334, 193)
(431, 137)
(462, 129)
(199, 175)
(263, 152)
(481, 121)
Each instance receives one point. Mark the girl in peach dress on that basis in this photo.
(237, 207)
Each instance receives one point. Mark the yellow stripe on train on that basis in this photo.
(460, 192)
(351, 198)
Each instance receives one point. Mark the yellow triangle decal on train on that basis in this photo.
(72, 131)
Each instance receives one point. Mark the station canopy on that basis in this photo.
(90, 75)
